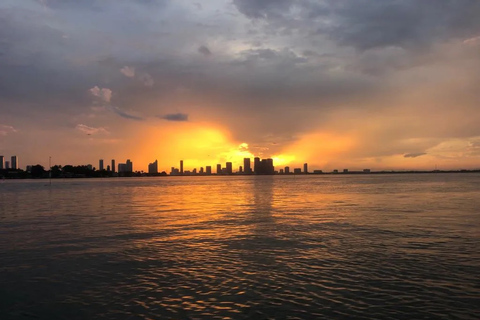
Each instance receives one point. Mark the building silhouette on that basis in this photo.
(2, 162)
(297, 171)
(129, 165)
(7, 164)
(113, 165)
(305, 168)
(247, 169)
(219, 169)
(256, 165)
(153, 167)
(287, 170)
(14, 163)
(208, 170)
(100, 165)
(263, 166)
(228, 167)
(181, 166)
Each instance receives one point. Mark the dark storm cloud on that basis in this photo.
(263, 8)
(367, 24)
(175, 117)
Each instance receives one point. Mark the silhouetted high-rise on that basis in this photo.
(229, 168)
(208, 169)
(181, 166)
(129, 165)
(2, 162)
(264, 166)
(153, 167)
(14, 163)
(113, 165)
(256, 165)
(305, 168)
(287, 170)
(100, 165)
(219, 169)
(247, 169)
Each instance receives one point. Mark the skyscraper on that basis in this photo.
(208, 169)
(2, 162)
(305, 168)
(100, 165)
(113, 165)
(287, 170)
(7, 164)
(153, 167)
(14, 163)
(229, 168)
(256, 165)
(219, 169)
(246, 166)
(129, 166)
(181, 166)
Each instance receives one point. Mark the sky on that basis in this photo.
(391, 84)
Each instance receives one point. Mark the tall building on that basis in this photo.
(7, 164)
(208, 170)
(263, 166)
(240, 169)
(2, 162)
(14, 163)
(181, 166)
(246, 166)
(113, 165)
(305, 168)
(287, 170)
(219, 169)
(129, 165)
(256, 165)
(229, 168)
(270, 168)
(153, 167)
(122, 167)
(100, 165)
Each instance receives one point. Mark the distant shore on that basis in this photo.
(20, 174)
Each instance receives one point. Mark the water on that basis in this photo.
(281, 247)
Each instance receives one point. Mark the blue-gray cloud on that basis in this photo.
(174, 117)
(204, 50)
(125, 115)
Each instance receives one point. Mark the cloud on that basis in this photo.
(472, 41)
(204, 50)
(124, 114)
(5, 130)
(104, 94)
(263, 8)
(146, 79)
(368, 24)
(414, 155)
(175, 117)
(91, 130)
(128, 71)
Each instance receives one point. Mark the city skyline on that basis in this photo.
(329, 83)
(260, 167)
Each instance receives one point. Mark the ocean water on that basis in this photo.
(268, 247)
